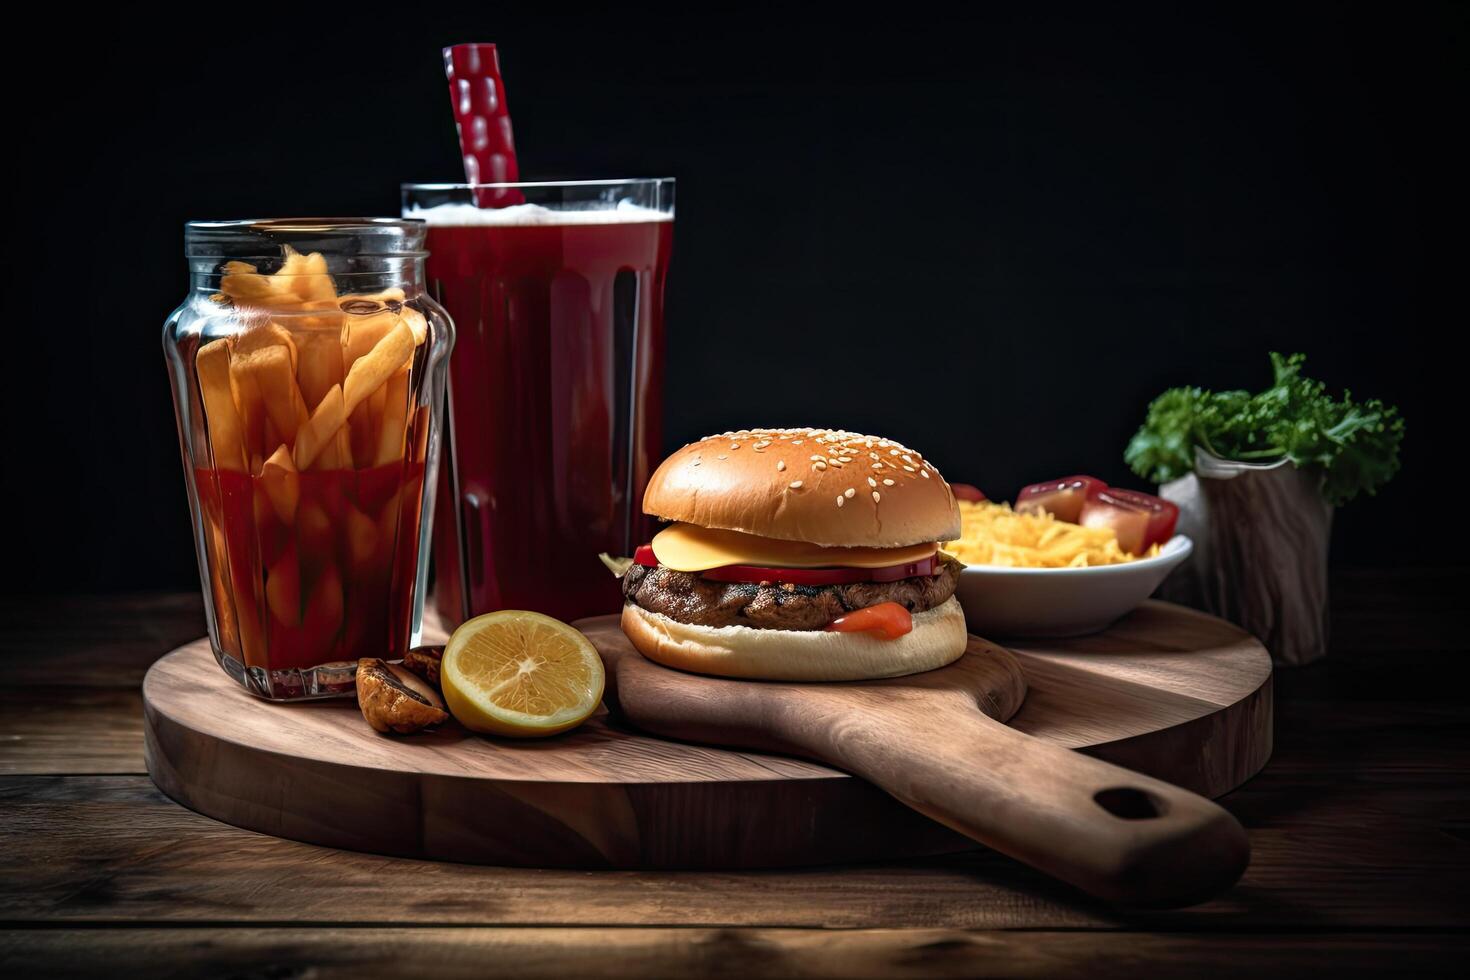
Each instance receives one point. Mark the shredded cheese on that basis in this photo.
(993, 534)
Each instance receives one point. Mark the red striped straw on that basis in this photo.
(480, 115)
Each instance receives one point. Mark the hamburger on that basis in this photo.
(797, 554)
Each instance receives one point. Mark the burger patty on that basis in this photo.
(689, 598)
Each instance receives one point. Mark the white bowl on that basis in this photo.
(1054, 602)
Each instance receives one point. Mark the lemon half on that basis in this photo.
(520, 674)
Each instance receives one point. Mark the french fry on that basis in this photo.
(247, 606)
(376, 403)
(324, 608)
(269, 370)
(417, 324)
(406, 504)
(283, 588)
(300, 279)
(282, 484)
(268, 334)
(224, 601)
(392, 294)
(362, 332)
(306, 277)
(362, 539)
(377, 365)
(365, 329)
(244, 285)
(320, 364)
(365, 423)
(319, 318)
(252, 639)
(237, 600)
(314, 529)
(330, 415)
(251, 404)
(395, 416)
(264, 511)
(221, 415)
(337, 453)
(388, 517)
(340, 456)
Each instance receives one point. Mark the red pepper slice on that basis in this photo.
(807, 576)
(888, 619)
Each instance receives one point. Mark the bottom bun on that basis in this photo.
(938, 638)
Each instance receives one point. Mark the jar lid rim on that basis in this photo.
(247, 237)
(307, 225)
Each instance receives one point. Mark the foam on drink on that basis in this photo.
(527, 215)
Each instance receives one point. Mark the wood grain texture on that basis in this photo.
(1261, 534)
(93, 641)
(293, 951)
(602, 796)
(1166, 691)
(1334, 852)
(1360, 833)
(71, 729)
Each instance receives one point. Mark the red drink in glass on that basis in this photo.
(556, 388)
(332, 585)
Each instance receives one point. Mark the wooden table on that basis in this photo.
(1360, 827)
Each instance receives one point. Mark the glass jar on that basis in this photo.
(308, 371)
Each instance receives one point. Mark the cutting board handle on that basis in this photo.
(933, 742)
(1116, 834)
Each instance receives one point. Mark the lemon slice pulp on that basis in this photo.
(520, 674)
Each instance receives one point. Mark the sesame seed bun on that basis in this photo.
(826, 487)
(938, 638)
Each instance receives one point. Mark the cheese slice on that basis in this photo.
(690, 548)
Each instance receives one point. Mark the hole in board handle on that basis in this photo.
(1127, 803)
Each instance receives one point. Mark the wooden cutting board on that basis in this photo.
(1167, 691)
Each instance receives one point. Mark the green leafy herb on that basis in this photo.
(1354, 446)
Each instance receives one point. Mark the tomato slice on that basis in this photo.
(1063, 498)
(1140, 520)
(967, 491)
(888, 619)
(807, 576)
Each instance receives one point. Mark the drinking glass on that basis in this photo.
(556, 388)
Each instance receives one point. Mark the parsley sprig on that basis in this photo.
(1354, 446)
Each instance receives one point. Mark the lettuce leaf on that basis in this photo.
(1353, 446)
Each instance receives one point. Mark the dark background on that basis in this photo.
(995, 238)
